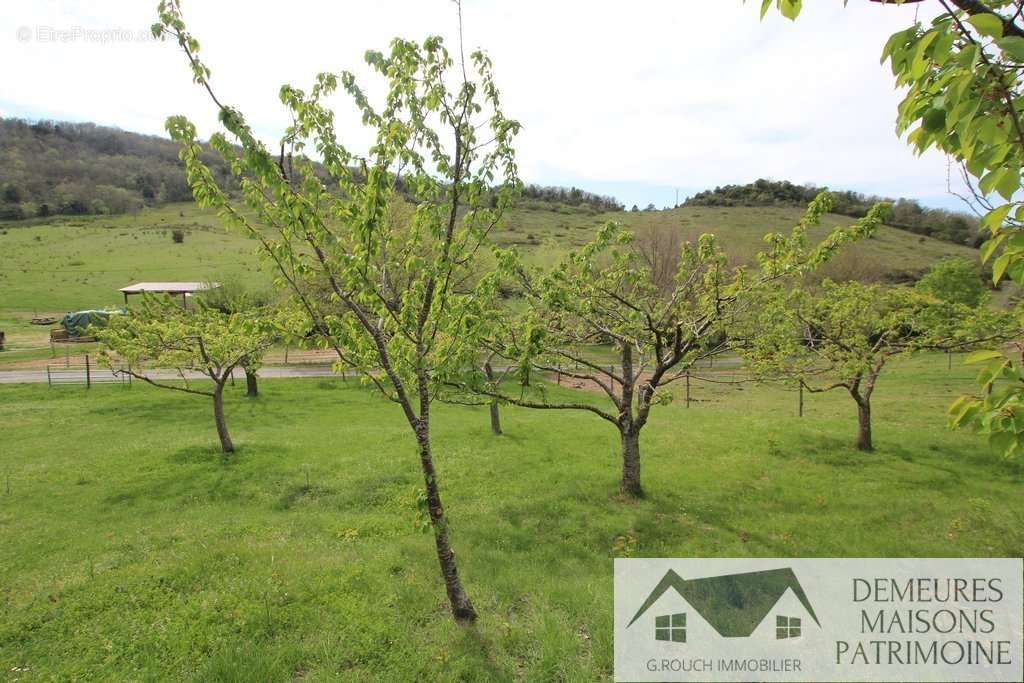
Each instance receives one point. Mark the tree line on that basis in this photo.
(907, 214)
(573, 196)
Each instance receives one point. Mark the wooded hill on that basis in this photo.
(49, 168)
(907, 214)
(58, 168)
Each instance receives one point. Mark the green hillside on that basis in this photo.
(71, 263)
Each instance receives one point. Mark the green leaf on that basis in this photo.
(1003, 443)
(1008, 183)
(934, 120)
(895, 40)
(993, 220)
(943, 48)
(988, 182)
(979, 356)
(989, 247)
(999, 267)
(987, 24)
(1013, 47)
(790, 8)
(765, 6)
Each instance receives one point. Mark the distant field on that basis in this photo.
(78, 263)
(133, 551)
(75, 263)
(71, 263)
(740, 231)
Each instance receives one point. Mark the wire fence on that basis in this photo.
(84, 374)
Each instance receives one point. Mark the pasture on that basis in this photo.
(133, 550)
(70, 263)
(74, 263)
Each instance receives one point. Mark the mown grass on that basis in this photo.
(132, 550)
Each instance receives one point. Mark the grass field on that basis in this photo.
(132, 550)
(80, 263)
(76, 263)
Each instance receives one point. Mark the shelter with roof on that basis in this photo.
(182, 289)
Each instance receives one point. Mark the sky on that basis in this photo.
(637, 100)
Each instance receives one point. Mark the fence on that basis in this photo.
(291, 356)
(86, 373)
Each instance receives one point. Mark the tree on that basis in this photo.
(955, 280)
(609, 292)
(201, 340)
(229, 298)
(964, 81)
(415, 305)
(493, 405)
(842, 335)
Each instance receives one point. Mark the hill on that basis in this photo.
(58, 168)
(49, 168)
(907, 214)
(66, 263)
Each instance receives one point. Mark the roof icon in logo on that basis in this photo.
(733, 604)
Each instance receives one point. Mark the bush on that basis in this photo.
(177, 236)
(956, 280)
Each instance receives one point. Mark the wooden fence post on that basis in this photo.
(88, 374)
(801, 398)
(687, 388)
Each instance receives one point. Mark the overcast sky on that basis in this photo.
(631, 99)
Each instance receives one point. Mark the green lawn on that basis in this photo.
(132, 550)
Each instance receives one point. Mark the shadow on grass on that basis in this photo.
(296, 494)
(477, 643)
(949, 457)
(204, 455)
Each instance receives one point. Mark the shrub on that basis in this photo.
(177, 236)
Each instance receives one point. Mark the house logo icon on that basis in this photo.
(734, 605)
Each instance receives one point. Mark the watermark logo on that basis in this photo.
(819, 620)
(82, 34)
(734, 605)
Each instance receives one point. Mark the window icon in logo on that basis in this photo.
(787, 627)
(670, 627)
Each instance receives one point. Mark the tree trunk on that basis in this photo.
(495, 418)
(462, 608)
(218, 416)
(864, 425)
(495, 415)
(251, 388)
(630, 485)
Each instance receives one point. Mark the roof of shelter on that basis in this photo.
(169, 287)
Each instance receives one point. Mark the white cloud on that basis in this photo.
(661, 93)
